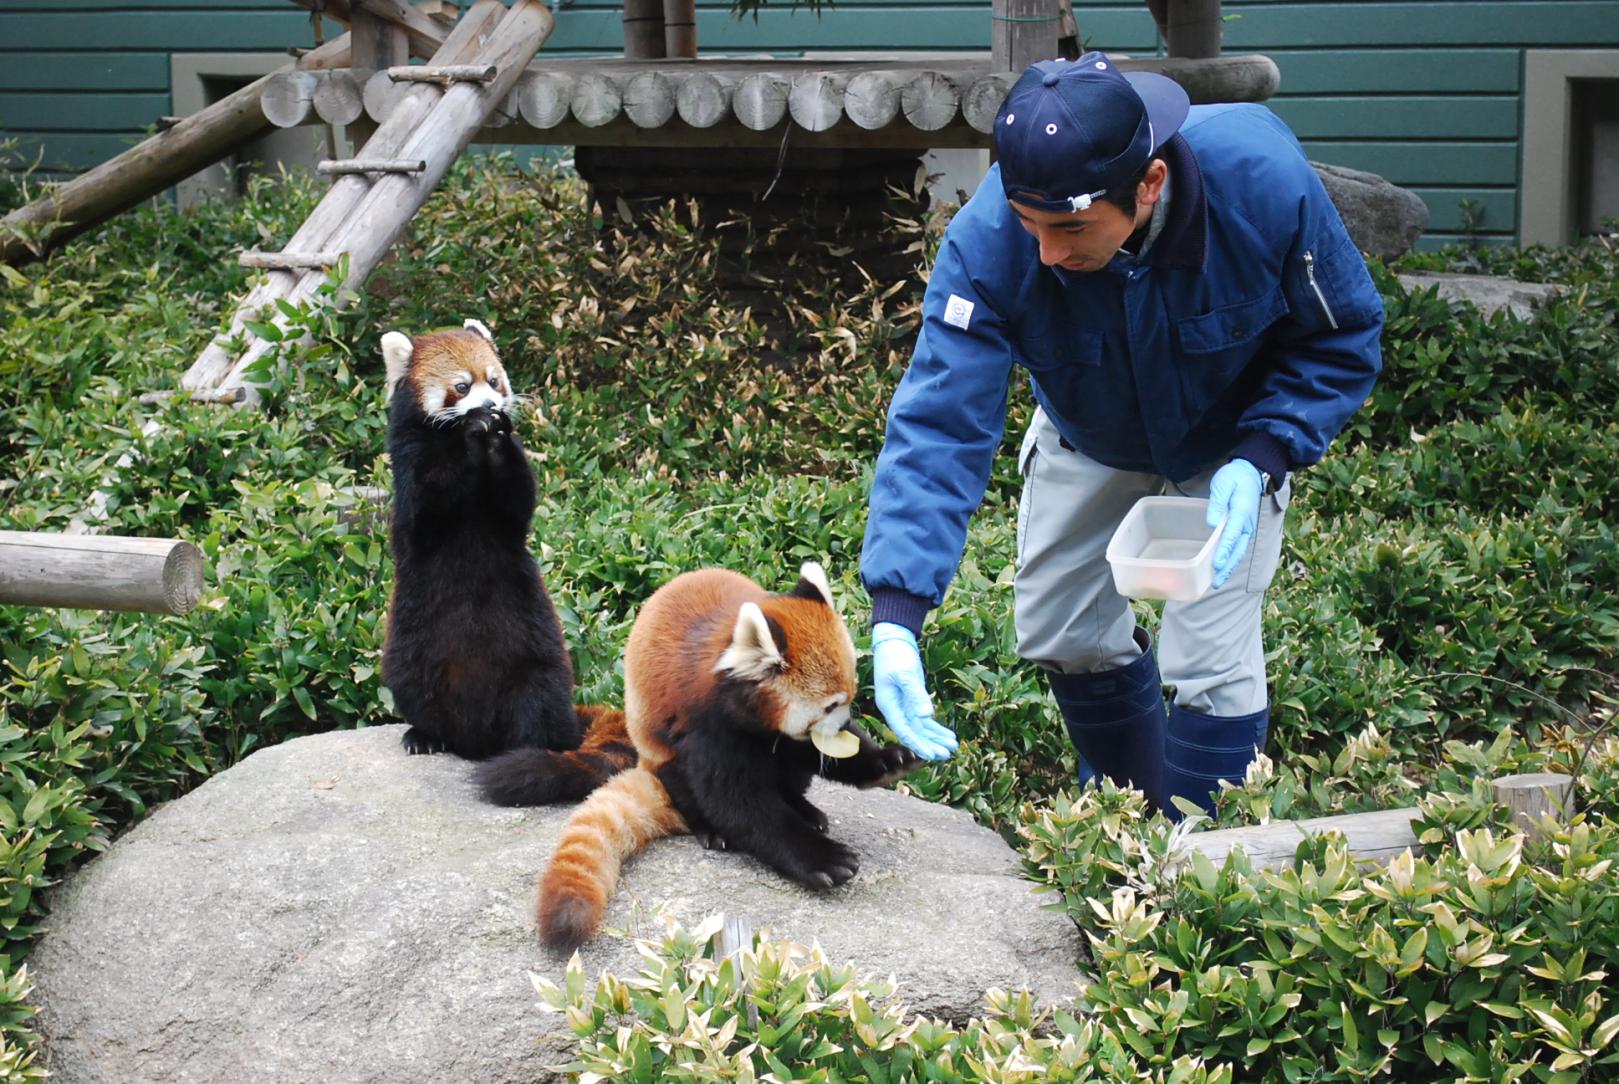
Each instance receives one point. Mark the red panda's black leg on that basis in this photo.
(807, 810)
(733, 786)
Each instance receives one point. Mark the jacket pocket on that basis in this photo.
(1042, 353)
(1232, 325)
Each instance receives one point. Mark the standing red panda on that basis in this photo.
(475, 656)
(725, 686)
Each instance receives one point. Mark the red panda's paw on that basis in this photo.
(898, 762)
(710, 839)
(416, 741)
(825, 865)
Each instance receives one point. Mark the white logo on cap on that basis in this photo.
(958, 311)
(1010, 117)
(1101, 65)
(1051, 129)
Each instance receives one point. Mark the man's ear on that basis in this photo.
(1151, 189)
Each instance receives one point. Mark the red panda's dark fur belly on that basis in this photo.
(475, 657)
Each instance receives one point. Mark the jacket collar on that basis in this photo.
(1183, 242)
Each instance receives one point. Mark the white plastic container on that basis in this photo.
(1164, 549)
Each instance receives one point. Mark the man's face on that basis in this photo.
(1086, 240)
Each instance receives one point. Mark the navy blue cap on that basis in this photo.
(1070, 131)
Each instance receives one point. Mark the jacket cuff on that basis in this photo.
(900, 607)
(1265, 452)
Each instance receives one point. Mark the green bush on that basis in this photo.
(783, 1012)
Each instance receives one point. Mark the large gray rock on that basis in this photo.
(1487, 293)
(1384, 219)
(332, 910)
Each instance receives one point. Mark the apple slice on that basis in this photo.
(839, 745)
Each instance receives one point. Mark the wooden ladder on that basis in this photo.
(375, 194)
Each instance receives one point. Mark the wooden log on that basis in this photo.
(319, 230)
(1241, 77)
(1194, 28)
(289, 98)
(1022, 32)
(703, 99)
(595, 99)
(680, 28)
(448, 129)
(643, 29)
(287, 261)
(816, 99)
(1533, 796)
(930, 101)
(983, 99)
(872, 98)
(443, 74)
(338, 167)
(543, 98)
(99, 572)
(424, 34)
(143, 171)
(649, 99)
(1378, 836)
(379, 94)
(760, 100)
(339, 96)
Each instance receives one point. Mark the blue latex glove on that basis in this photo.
(1234, 497)
(902, 693)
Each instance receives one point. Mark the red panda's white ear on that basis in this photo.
(477, 325)
(813, 584)
(753, 654)
(396, 351)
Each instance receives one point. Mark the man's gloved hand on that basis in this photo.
(902, 693)
(1234, 497)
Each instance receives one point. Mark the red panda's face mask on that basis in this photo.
(450, 373)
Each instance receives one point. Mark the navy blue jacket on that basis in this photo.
(1248, 329)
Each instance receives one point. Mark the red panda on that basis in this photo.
(475, 656)
(724, 686)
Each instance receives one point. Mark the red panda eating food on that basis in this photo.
(734, 698)
(475, 656)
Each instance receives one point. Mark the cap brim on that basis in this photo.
(1166, 103)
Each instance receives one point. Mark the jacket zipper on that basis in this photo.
(1309, 273)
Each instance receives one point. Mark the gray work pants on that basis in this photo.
(1070, 619)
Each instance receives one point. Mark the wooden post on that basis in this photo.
(1377, 836)
(680, 28)
(643, 29)
(1533, 796)
(1023, 32)
(1194, 28)
(146, 169)
(99, 572)
(377, 43)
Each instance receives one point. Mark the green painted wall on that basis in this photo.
(1426, 94)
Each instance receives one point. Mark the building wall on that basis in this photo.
(1428, 94)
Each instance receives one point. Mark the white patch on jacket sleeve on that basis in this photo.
(958, 311)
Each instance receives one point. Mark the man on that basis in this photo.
(1193, 318)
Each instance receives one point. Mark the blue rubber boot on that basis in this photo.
(1200, 750)
(1115, 719)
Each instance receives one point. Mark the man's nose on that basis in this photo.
(1053, 248)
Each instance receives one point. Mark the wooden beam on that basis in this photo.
(377, 43)
(680, 28)
(146, 169)
(99, 572)
(1378, 836)
(1534, 796)
(423, 33)
(643, 28)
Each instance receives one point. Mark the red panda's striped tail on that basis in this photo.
(529, 776)
(622, 816)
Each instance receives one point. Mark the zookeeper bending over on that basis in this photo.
(1194, 319)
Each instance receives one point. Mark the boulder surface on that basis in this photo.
(331, 909)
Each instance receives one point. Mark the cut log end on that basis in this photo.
(182, 578)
